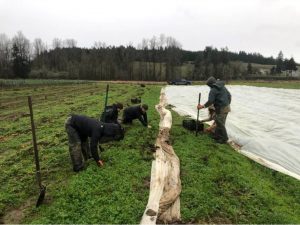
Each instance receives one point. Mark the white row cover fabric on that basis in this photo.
(265, 122)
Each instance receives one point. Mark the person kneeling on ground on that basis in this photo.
(111, 113)
(136, 112)
(220, 97)
(79, 128)
(212, 116)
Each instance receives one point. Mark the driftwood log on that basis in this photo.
(165, 187)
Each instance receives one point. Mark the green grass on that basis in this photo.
(218, 184)
(221, 186)
(271, 84)
(113, 194)
(36, 82)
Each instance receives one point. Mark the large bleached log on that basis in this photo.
(165, 186)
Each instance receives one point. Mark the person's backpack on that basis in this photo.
(190, 124)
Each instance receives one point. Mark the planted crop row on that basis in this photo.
(16, 148)
(10, 83)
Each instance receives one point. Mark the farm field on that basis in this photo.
(271, 84)
(260, 121)
(218, 184)
(120, 182)
(261, 83)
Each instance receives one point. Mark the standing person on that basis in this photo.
(79, 128)
(220, 97)
(111, 113)
(136, 112)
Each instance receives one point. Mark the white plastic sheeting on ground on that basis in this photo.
(265, 122)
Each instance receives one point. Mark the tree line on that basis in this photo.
(158, 58)
(283, 64)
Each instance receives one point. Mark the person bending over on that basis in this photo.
(82, 128)
(111, 113)
(136, 112)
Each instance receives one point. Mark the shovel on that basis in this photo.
(103, 115)
(36, 157)
(197, 128)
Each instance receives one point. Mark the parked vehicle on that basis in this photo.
(180, 82)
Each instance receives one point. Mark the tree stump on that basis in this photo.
(165, 185)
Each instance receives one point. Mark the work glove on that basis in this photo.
(100, 163)
(149, 126)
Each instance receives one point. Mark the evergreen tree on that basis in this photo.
(21, 55)
(273, 70)
(21, 64)
(279, 62)
(292, 65)
(249, 68)
(285, 65)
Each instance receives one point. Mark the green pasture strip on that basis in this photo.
(17, 157)
(16, 148)
(118, 192)
(220, 185)
(43, 108)
(15, 94)
(270, 84)
(14, 112)
(8, 83)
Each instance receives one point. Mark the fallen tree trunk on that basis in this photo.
(165, 186)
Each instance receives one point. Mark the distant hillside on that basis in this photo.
(129, 63)
(152, 60)
(232, 56)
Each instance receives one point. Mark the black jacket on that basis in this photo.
(135, 112)
(111, 114)
(96, 130)
(219, 96)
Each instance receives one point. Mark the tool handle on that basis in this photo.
(103, 115)
(199, 99)
(106, 97)
(36, 153)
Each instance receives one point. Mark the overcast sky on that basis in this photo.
(264, 26)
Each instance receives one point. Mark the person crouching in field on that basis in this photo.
(111, 113)
(81, 128)
(220, 98)
(136, 112)
(212, 116)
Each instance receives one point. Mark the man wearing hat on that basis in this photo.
(220, 98)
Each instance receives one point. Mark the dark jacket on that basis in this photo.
(135, 112)
(111, 114)
(219, 96)
(96, 130)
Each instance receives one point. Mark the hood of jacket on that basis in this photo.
(219, 84)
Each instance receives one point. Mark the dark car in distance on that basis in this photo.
(180, 82)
